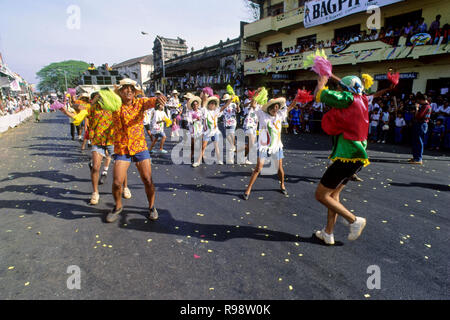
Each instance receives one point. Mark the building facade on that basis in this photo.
(282, 42)
(165, 49)
(137, 69)
(215, 66)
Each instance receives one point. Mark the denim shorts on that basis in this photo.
(141, 156)
(160, 135)
(214, 138)
(278, 155)
(102, 150)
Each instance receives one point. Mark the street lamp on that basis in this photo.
(162, 59)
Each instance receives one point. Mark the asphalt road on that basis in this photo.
(208, 242)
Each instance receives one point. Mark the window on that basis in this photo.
(275, 9)
(308, 40)
(402, 20)
(347, 32)
(276, 47)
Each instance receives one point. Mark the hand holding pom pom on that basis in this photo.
(394, 78)
(304, 96)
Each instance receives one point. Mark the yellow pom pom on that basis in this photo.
(78, 119)
(368, 81)
(168, 122)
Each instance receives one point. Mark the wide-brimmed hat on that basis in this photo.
(158, 92)
(214, 98)
(86, 95)
(226, 97)
(129, 82)
(188, 95)
(280, 101)
(192, 99)
(175, 92)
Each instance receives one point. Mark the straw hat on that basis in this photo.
(188, 95)
(158, 92)
(280, 101)
(175, 92)
(213, 99)
(129, 82)
(226, 97)
(192, 99)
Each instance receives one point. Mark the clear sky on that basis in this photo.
(34, 33)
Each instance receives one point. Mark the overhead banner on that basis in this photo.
(318, 12)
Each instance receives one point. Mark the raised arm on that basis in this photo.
(226, 105)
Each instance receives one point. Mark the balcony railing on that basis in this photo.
(373, 51)
(274, 23)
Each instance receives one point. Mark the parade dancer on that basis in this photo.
(211, 131)
(194, 118)
(159, 119)
(230, 123)
(270, 118)
(250, 126)
(101, 135)
(348, 123)
(130, 144)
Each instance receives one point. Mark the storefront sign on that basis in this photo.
(410, 75)
(281, 76)
(318, 12)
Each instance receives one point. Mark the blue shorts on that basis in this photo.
(278, 155)
(141, 156)
(160, 135)
(102, 150)
(214, 138)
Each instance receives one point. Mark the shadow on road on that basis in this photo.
(52, 175)
(432, 186)
(211, 232)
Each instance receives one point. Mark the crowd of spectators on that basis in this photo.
(391, 120)
(393, 36)
(13, 105)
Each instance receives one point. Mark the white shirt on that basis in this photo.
(270, 130)
(230, 115)
(35, 107)
(400, 122)
(385, 117)
(148, 115)
(251, 120)
(375, 118)
(195, 122)
(157, 125)
(210, 122)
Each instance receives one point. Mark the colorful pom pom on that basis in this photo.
(251, 94)
(262, 97)
(394, 78)
(72, 92)
(322, 66)
(56, 105)
(78, 119)
(208, 91)
(304, 96)
(110, 101)
(368, 81)
(230, 90)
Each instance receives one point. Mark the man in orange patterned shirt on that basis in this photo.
(130, 144)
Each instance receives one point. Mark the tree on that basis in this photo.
(53, 77)
(253, 8)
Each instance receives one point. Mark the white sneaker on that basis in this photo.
(80, 138)
(220, 163)
(356, 228)
(327, 238)
(230, 162)
(195, 165)
(163, 151)
(248, 162)
(127, 193)
(95, 198)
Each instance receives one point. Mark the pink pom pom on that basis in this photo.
(304, 96)
(195, 116)
(56, 105)
(322, 67)
(72, 92)
(209, 91)
(394, 78)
